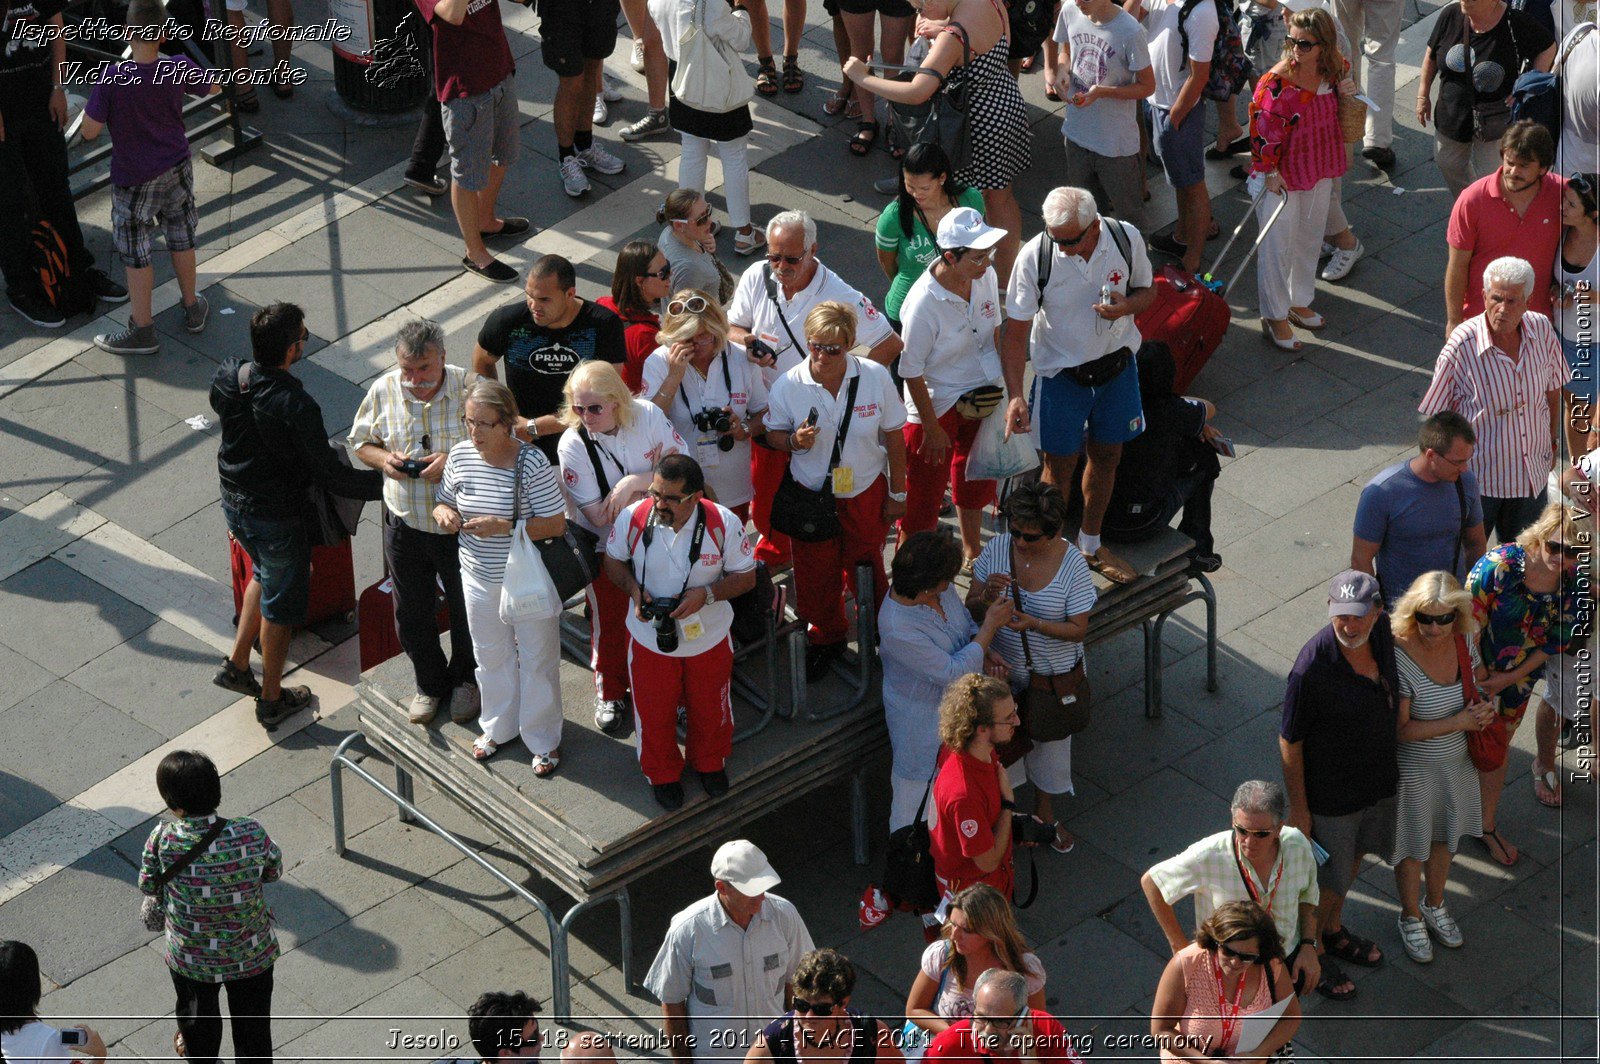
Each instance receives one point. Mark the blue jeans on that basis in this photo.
(282, 561)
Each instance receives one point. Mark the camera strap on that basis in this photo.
(727, 384)
(694, 550)
(771, 285)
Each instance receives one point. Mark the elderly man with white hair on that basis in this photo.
(1503, 370)
(768, 316)
(1072, 299)
(1003, 1027)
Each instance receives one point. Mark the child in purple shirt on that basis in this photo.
(152, 179)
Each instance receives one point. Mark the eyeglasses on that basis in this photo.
(1029, 537)
(305, 334)
(792, 260)
(1248, 958)
(1439, 620)
(1300, 44)
(661, 496)
(993, 721)
(692, 305)
(1001, 1023)
(663, 274)
(815, 1008)
(592, 410)
(827, 349)
(1458, 463)
(704, 218)
(484, 426)
(1068, 243)
(1244, 832)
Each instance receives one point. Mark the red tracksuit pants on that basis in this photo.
(766, 473)
(701, 684)
(821, 570)
(926, 481)
(608, 639)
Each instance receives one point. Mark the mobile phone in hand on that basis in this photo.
(811, 419)
(1223, 446)
(74, 1036)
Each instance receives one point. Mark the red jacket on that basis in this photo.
(639, 335)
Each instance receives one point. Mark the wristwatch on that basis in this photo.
(1307, 942)
(711, 593)
(897, 496)
(1007, 803)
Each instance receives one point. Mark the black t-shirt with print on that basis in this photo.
(1510, 46)
(25, 65)
(538, 359)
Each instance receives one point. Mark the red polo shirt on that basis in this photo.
(472, 58)
(1483, 223)
(966, 800)
(1052, 1042)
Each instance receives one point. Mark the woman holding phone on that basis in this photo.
(24, 1038)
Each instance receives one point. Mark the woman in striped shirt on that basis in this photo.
(518, 665)
(1296, 150)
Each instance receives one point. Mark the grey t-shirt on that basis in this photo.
(1579, 147)
(1110, 54)
(691, 267)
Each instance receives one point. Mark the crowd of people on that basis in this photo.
(699, 428)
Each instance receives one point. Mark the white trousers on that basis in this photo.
(1286, 265)
(1373, 27)
(1337, 222)
(904, 797)
(519, 670)
(1048, 765)
(735, 156)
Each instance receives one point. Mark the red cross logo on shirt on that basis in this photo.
(1116, 277)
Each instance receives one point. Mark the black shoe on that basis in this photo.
(1207, 562)
(715, 783)
(431, 183)
(105, 288)
(1240, 173)
(290, 701)
(512, 227)
(1168, 244)
(1237, 146)
(36, 310)
(819, 657)
(669, 796)
(1382, 158)
(496, 271)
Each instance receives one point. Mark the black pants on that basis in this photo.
(1190, 491)
(249, 1007)
(428, 148)
(33, 185)
(416, 560)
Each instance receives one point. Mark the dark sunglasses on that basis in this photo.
(1300, 44)
(1248, 958)
(663, 274)
(1068, 243)
(692, 305)
(1244, 832)
(593, 409)
(1439, 619)
(1571, 550)
(792, 260)
(826, 349)
(1029, 537)
(815, 1008)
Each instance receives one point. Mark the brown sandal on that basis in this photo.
(766, 76)
(793, 80)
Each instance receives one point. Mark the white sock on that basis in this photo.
(1090, 545)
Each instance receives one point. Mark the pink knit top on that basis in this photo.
(1202, 1015)
(1295, 132)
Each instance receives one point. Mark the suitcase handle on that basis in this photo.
(1208, 279)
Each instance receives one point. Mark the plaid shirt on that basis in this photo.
(1209, 872)
(393, 420)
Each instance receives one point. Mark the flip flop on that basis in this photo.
(1505, 848)
(1063, 835)
(1547, 788)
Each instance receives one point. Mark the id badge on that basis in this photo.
(692, 628)
(844, 480)
(777, 343)
(706, 451)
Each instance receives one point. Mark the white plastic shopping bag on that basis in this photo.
(994, 457)
(527, 593)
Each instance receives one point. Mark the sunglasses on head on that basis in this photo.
(1029, 537)
(593, 409)
(815, 1008)
(1248, 958)
(1581, 184)
(1437, 619)
(692, 305)
(1244, 832)
(1300, 44)
(792, 260)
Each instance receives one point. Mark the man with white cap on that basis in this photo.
(951, 370)
(1337, 739)
(725, 968)
(1073, 295)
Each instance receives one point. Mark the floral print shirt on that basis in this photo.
(1516, 621)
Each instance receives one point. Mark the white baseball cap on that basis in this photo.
(744, 868)
(965, 228)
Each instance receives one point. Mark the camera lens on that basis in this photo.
(666, 635)
(725, 443)
(721, 421)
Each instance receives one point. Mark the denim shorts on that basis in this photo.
(482, 130)
(1063, 408)
(1182, 148)
(282, 560)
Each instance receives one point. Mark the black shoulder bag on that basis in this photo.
(569, 558)
(942, 118)
(908, 863)
(1051, 707)
(153, 910)
(813, 516)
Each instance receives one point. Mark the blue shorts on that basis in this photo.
(1182, 148)
(1063, 407)
(282, 560)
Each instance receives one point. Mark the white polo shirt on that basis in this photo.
(878, 409)
(635, 449)
(728, 472)
(665, 562)
(950, 340)
(1069, 332)
(731, 978)
(752, 309)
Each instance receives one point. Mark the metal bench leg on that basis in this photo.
(336, 787)
(1209, 593)
(561, 955)
(858, 817)
(403, 787)
(1152, 691)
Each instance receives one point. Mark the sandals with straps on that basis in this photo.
(866, 136)
(794, 80)
(483, 748)
(766, 76)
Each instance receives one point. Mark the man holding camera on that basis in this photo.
(406, 425)
(681, 559)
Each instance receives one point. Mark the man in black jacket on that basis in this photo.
(274, 444)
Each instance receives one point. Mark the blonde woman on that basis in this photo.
(1438, 800)
(712, 393)
(611, 444)
(478, 498)
(980, 933)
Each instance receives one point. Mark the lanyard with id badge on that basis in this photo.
(658, 611)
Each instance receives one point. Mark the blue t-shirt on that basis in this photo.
(1415, 525)
(142, 105)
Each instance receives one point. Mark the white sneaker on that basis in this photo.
(1327, 249)
(422, 708)
(1414, 936)
(610, 88)
(608, 715)
(596, 158)
(1338, 267)
(602, 113)
(637, 59)
(573, 178)
(1442, 924)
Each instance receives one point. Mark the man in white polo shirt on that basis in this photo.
(681, 559)
(952, 373)
(1079, 284)
(768, 315)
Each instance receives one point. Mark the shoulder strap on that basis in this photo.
(844, 422)
(636, 526)
(713, 519)
(1045, 263)
(1119, 237)
(1016, 596)
(1461, 531)
(594, 460)
(783, 319)
(196, 850)
(516, 487)
(1578, 33)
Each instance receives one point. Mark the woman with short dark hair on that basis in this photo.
(219, 926)
(822, 1026)
(24, 1038)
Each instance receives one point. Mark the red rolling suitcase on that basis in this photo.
(333, 582)
(380, 637)
(1189, 318)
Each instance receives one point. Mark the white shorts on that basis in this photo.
(1569, 689)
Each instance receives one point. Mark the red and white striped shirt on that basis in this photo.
(1505, 399)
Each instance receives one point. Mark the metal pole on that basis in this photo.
(336, 786)
(403, 787)
(858, 817)
(1211, 632)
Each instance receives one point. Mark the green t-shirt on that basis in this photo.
(915, 254)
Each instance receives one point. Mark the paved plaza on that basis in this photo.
(115, 608)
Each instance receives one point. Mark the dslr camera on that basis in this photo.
(715, 419)
(658, 611)
(1025, 831)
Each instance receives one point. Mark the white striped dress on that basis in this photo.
(1439, 800)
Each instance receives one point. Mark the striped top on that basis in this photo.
(1296, 132)
(219, 927)
(1069, 593)
(477, 489)
(390, 418)
(1505, 399)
